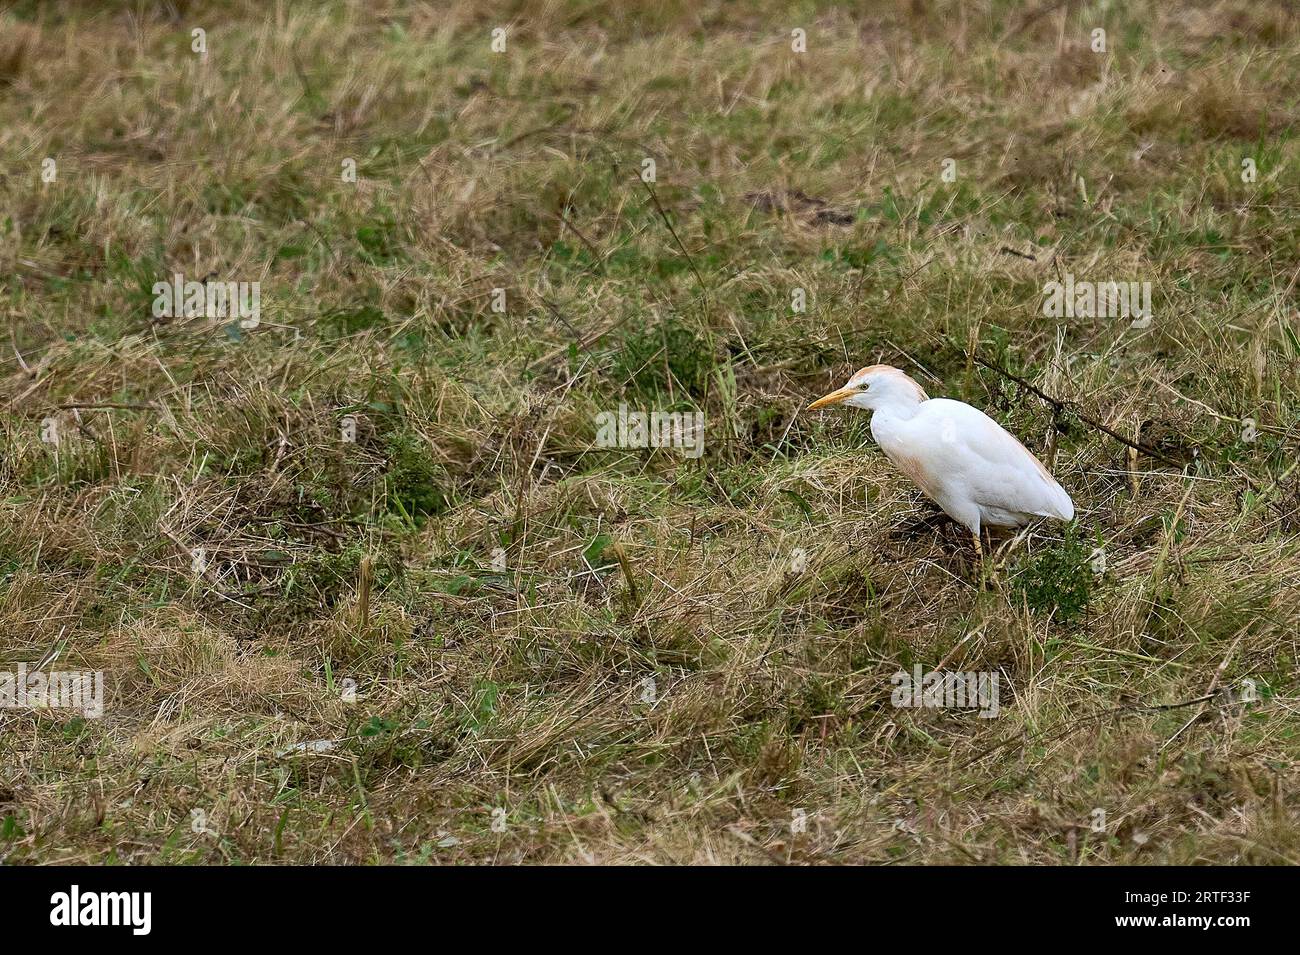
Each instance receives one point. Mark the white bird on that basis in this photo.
(961, 458)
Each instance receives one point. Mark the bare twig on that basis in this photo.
(1059, 405)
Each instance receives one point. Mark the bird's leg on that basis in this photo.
(979, 558)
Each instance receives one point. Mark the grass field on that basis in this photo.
(364, 588)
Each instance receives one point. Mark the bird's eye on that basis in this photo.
(864, 386)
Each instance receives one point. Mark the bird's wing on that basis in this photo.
(994, 468)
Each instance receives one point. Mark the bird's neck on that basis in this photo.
(902, 409)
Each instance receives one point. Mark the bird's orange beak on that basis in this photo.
(835, 397)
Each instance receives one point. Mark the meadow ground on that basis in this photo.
(364, 588)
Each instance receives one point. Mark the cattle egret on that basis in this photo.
(961, 458)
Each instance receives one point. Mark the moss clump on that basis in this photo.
(1059, 579)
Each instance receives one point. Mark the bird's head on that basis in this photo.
(875, 387)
